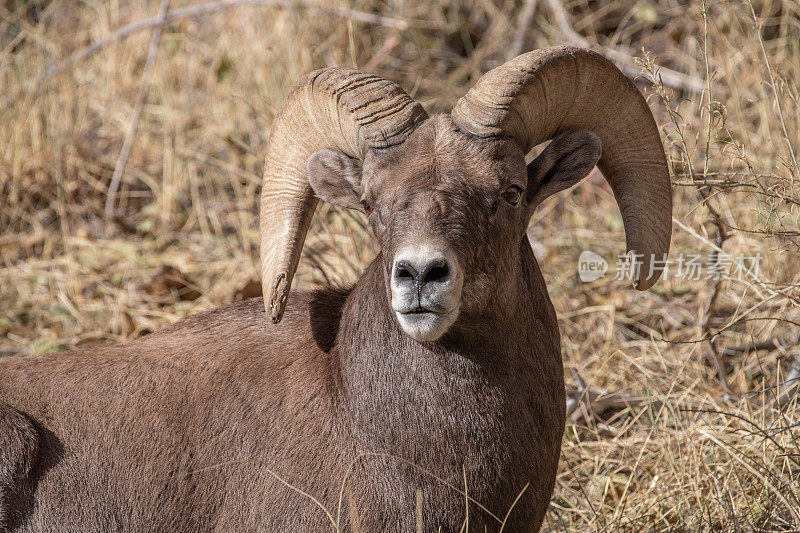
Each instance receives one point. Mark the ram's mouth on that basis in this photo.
(426, 324)
(430, 310)
(423, 311)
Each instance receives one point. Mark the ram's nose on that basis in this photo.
(425, 279)
(426, 290)
(421, 273)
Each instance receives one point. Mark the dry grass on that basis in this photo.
(682, 456)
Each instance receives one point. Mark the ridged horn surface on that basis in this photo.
(338, 109)
(543, 93)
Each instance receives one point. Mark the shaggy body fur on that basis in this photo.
(174, 432)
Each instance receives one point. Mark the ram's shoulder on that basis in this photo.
(309, 314)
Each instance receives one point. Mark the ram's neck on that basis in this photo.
(460, 391)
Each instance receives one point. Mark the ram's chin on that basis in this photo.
(426, 327)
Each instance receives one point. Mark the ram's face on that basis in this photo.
(450, 212)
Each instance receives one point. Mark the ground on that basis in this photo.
(682, 419)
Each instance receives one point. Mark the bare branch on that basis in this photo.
(122, 160)
(624, 59)
(791, 385)
(205, 9)
(388, 45)
(769, 345)
(524, 22)
(586, 403)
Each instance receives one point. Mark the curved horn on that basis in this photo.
(345, 110)
(544, 93)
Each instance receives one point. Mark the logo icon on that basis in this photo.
(591, 266)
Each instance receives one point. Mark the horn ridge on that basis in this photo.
(543, 93)
(341, 109)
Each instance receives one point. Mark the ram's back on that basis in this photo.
(178, 430)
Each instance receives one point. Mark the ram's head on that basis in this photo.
(449, 197)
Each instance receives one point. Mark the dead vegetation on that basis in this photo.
(682, 415)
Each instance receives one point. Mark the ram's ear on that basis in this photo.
(567, 160)
(335, 178)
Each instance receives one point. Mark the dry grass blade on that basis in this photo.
(276, 476)
(778, 108)
(510, 509)
(424, 471)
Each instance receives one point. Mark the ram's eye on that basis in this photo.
(367, 207)
(513, 195)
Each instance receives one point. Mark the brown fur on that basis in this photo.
(189, 429)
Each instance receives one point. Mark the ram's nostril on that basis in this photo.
(437, 273)
(405, 272)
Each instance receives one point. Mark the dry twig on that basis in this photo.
(586, 403)
(791, 384)
(769, 344)
(122, 160)
(205, 9)
(523, 24)
(624, 59)
(388, 45)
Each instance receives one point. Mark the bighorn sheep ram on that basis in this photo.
(439, 370)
